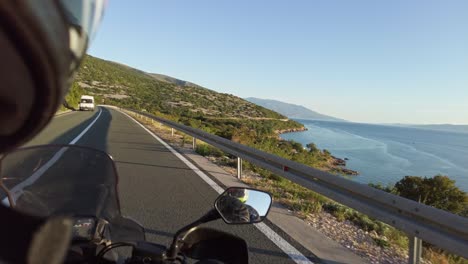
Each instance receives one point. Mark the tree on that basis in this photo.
(312, 148)
(72, 99)
(296, 146)
(439, 191)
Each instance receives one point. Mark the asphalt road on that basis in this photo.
(155, 187)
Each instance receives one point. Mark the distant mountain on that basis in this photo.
(291, 110)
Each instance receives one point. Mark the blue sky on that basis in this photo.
(396, 61)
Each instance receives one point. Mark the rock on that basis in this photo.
(338, 162)
(350, 172)
(345, 171)
(291, 130)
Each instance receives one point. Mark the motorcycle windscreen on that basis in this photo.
(60, 180)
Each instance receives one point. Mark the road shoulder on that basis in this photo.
(62, 113)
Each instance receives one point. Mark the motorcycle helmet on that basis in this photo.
(41, 45)
(239, 193)
(232, 209)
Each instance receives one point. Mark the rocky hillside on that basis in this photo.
(169, 79)
(115, 83)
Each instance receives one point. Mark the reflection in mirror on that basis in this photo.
(9, 201)
(239, 205)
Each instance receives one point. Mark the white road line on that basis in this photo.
(280, 242)
(17, 190)
(86, 129)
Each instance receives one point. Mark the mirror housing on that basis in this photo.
(206, 243)
(239, 205)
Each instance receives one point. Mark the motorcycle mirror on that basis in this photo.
(239, 205)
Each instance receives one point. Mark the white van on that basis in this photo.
(86, 103)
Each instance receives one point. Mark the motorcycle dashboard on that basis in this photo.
(84, 228)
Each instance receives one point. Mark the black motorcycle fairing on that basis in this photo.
(126, 229)
(149, 251)
(76, 182)
(204, 243)
(61, 180)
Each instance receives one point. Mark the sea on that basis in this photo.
(385, 153)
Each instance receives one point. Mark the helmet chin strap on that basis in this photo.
(28, 239)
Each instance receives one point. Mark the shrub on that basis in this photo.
(388, 188)
(207, 150)
(381, 243)
(439, 191)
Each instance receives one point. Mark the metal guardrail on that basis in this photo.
(440, 228)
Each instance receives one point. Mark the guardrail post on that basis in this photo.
(194, 143)
(415, 250)
(172, 131)
(239, 168)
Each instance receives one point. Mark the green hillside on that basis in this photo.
(221, 114)
(119, 84)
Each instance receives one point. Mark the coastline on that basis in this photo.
(291, 130)
(339, 166)
(335, 164)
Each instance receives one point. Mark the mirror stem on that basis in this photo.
(11, 201)
(208, 217)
